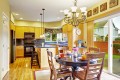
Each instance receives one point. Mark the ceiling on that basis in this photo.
(30, 9)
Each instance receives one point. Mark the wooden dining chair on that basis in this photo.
(57, 73)
(94, 50)
(93, 70)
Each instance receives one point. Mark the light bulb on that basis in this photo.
(83, 9)
(66, 11)
(74, 8)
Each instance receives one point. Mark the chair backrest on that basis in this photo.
(93, 49)
(51, 65)
(95, 65)
(62, 49)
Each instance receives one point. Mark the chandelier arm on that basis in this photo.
(74, 20)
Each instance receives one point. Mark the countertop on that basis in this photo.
(45, 46)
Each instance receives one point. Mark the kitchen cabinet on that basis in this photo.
(29, 29)
(19, 33)
(19, 51)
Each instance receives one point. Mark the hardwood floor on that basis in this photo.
(21, 70)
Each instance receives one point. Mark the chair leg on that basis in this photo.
(38, 61)
(51, 74)
(31, 61)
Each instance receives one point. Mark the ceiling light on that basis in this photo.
(61, 11)
(38, 20)
(72, 16)
(16, 14)
(21, 18)
(58, 17)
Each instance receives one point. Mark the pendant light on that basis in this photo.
(42, 25)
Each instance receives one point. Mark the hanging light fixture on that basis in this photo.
(42, 25)
(72, 16)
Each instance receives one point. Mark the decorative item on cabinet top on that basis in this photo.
(113, 3)
(53, 30)
(89, 13)
(95, 10)
(103, 7)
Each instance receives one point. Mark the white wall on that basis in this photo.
(4, 7)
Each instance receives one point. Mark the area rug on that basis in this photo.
(42, 75)
(45, 74)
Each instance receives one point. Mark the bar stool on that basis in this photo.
(34, 59)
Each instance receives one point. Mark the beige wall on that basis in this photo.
(4, 7)
(37, 24)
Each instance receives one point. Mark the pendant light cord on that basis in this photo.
(41, 24)
(43, 21)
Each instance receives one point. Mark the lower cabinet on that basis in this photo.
(19, 51)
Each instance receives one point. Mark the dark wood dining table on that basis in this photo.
(74, 62)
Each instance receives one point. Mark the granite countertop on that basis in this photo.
(46, 46)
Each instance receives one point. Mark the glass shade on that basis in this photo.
(83, 9)
(74, 8)
(66, 12)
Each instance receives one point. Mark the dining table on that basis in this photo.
(72, 61)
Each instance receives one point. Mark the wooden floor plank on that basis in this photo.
(21, 70)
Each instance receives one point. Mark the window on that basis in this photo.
(53, 37)
(53, 34)
(48, 37)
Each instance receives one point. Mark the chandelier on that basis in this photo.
(72, 16)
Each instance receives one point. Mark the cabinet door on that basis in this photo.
(37, 32)
(31, 29)
(19, 51)
(19, 32)
(26, 29)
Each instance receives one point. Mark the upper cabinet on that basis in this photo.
(37, 32)
(29, 29)
(19, 33)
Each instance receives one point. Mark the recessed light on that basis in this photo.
(21, 18)
(61, 11)
(38, 20)
(58, 17)
(16, 14)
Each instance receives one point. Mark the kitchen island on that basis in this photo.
(42, 54)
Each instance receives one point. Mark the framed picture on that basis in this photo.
(89, 13)
(113, 3)
(103, 7)
(95, 10)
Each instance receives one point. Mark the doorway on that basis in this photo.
(5, 46)
(112, 42)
